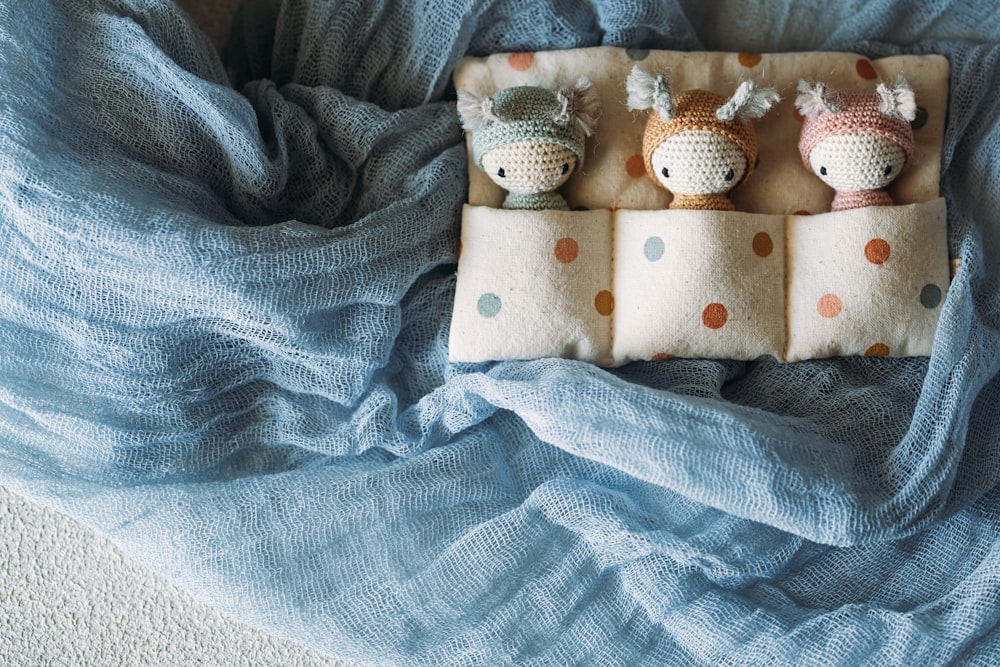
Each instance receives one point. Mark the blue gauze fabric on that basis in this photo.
(226, 291)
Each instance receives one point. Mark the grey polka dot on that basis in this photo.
(488, 305)
(930, 296)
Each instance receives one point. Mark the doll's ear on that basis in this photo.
(648, 92)
(475, 111)
(579, 103)
(898, 100)
(748, 102)
(815, 99)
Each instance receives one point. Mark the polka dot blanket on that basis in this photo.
(227, 288)
(621, 279)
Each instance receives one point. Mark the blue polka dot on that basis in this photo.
(930, 296)
(637, 54)
(653, 248)
(488, 305)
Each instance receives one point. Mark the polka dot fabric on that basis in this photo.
(866, 281)
(617, 286)
(698, 284)
(534, 284)
(622, 277)
(521, 62)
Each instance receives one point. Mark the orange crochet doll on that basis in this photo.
(698, 145)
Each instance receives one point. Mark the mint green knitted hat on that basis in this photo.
(529, 113)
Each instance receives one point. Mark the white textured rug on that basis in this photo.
(69, 597)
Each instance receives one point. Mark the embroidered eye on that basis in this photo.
(822, 170)
(666, 174)
(501, 173)
(565, 167)
(730, 174)
(888, 170)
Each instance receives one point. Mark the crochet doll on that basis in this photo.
(857, 141)
(529, 140)
(698, 145)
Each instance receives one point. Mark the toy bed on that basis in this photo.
(233, 340)
(645, 282)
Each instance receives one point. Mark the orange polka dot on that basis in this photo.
(635, 166)
(714, 316)
(749, 59)
(521, 61)
(762, 244)
(877, 251)
(567, 249)
(802, 211)
(829, 305)
(661, 356)
(865, 70)
(877, 350)
(604, 302)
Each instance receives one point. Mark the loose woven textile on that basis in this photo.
(225, 293)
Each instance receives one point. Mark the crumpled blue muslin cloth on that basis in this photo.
(225, 290)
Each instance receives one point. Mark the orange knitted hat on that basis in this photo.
(696, 110)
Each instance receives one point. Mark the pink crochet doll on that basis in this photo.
(857, 141)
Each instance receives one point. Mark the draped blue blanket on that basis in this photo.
(225, 292)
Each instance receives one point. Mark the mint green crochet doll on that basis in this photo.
(529, 140)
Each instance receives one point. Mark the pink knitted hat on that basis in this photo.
(855, 112)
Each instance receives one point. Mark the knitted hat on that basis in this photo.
(883, 112)
(697, 110)
(564, 117)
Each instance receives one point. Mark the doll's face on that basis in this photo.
(698, 162)
(529, 167)
(850, 162)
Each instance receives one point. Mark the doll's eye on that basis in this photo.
(888, 169)
(730, 174)
(666, 174)
(822, 170)
(501, 173)
(566, 167)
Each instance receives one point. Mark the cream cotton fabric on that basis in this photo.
(712, 284)
(866, 281)
(532, 281)
(699, 284)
